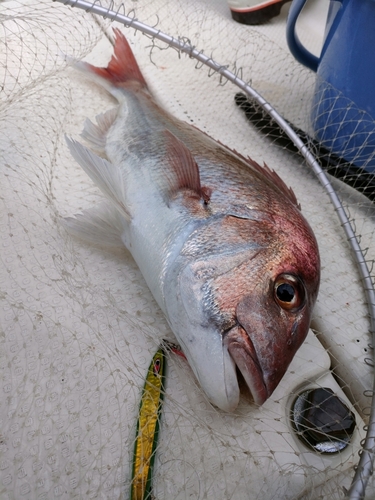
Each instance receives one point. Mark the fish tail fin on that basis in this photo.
(122, 67)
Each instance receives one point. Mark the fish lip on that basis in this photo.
(243, 353)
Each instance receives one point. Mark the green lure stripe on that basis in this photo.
(148, 428)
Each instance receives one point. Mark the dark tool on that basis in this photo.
(356, 177)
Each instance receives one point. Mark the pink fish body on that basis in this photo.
(220, 241)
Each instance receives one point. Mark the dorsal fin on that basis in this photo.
(274, 177)
(269, 174)
(183, 171)
(265, 171)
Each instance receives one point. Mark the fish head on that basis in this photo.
(245, 303)
(277, 290)
(271, 324)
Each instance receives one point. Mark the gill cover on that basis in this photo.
(197, 319)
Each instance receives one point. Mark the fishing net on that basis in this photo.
(79, 326)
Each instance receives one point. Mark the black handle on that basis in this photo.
(356, 177)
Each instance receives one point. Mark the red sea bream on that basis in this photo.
(220, 240)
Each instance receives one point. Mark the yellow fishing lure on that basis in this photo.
(148, 428)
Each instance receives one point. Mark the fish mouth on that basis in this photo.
(243, 353)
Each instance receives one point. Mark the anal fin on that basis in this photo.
(96, 135)
(107, 177)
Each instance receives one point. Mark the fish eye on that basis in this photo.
(289, 292)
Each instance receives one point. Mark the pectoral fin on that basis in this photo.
(181, 170)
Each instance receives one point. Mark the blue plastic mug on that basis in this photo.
(343, 108)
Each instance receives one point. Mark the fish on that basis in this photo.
(219, 239)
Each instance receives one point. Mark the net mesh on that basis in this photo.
(79, 326)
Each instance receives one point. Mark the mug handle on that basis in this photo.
(295, 46)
